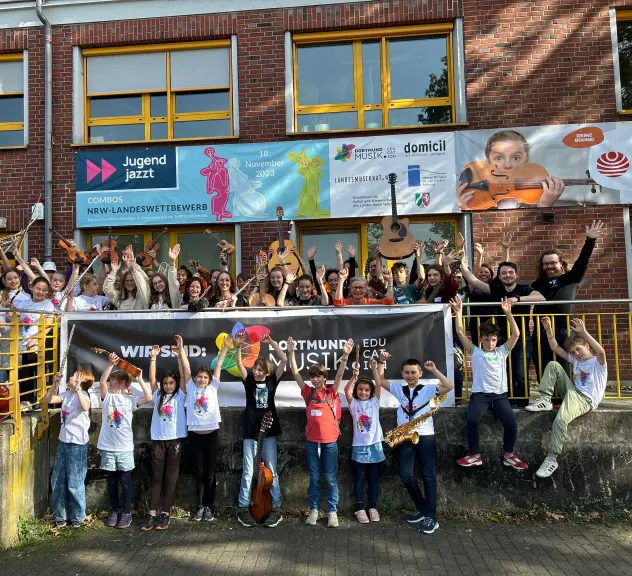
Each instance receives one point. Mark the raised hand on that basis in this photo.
(430, 366)
(283, 255)
(348, 347)
(155, 350)
(456, 305)
(115, 266)
(293, 250)
(178, 348)
(112, 359)
(418, 246)
(373, 363)
(478, 248)
(338, 246)
(266, 339)
(578, 326)
(506, 304)
(387, 274)
(311, 252)
(595, 229)
(505, 239)
(546, 323)
(128, 256)
(343, 274)
(173, 253)
(441, 246)
(228, 342)
(34, 262)
(378, 250)
(320, 274)
(239, 338)
(225, 246)
(291, 345)
(351, 251)
(290, 276)
(460, 241)
(355, 373)
(384, 356)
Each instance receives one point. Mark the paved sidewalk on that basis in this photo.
(385, 549)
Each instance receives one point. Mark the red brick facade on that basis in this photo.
(526, 64)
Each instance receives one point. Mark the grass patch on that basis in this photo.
(43, 531)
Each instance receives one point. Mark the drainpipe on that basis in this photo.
(48, 132)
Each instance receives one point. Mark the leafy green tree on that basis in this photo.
(624, 35)
(437, 88)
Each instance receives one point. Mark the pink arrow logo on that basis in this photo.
(92, 170)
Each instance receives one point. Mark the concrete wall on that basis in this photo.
(593, 469)
(24, 478)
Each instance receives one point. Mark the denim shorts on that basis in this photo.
(117, 461)
(368, 454)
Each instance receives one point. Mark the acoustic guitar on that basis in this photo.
(523, 185)
(144, 259)
(396, 241)
(278, 246)
(260, 298)
(260, 498)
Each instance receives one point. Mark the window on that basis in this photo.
(364, 235)
(12, 101)
(194, 244)
(359, 80)
(158, 92)
(624, 48)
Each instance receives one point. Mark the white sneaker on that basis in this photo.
(332, 521)
(541, 405)
(312, 518)
(547, 467)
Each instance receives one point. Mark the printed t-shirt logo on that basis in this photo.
(201, 403)
(166, 412)
(115, 418)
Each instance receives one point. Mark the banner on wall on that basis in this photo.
(406, 332)
(347, 178)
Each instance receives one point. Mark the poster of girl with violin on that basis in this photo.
(533, 167)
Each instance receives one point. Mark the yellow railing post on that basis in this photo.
(14, 386)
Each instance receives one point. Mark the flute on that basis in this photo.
(70, 289)
(62, 364)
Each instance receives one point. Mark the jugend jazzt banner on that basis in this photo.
(406, 332)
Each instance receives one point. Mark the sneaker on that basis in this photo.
(163, 521)
(208, 515)
(76, 524)
(362, 517)
(515, 462)
(25, 406)
(151, 523)
(112, 519)
(274, 519)
(541, 405)
(312, 517)
(374, 515)
(332, 520)
(245, 519)
(414, 517)
(125, 520)
(428, 526)
(469, 460)
(60, 523)
(547, 467)
(197, 517)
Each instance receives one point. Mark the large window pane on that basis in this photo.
(201, 102)
(201, 247)
(413, 116)
(418, 68)
(123, 240)
(116, 106)
(371, 73)
(325, 74)
(324, 122)
(624, 36)
(199, 68)
(117, 133)
(201, 129)
(11, 138)
(159, 131)
(324, 241)
(127, 73)
(11, 77)
(158, 105)
(12, 109)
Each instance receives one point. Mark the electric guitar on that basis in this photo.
(278, 247)
(260, 498)
(396, 241)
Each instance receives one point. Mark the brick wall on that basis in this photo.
(526, 63)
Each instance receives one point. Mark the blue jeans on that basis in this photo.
(426, 452)
(68, 482)
(269, 457)
(372, 473)
(480, 403)
(327, 462)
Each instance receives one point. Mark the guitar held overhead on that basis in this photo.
(260, 298)
(260, 498)
(396, 241)
(523, 185)
(144, 259)
(73, 255)
(278, 247)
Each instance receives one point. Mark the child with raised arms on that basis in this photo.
(323, 410)
(116, 438)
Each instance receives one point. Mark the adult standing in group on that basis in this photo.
(556, 282)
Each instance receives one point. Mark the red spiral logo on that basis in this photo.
(613, 164)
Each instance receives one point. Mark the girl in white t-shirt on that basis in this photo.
(89, 299)
(116, 439)
(363, 397)
(168, 427)
(203, 420)
(11, 296)
(71, 462)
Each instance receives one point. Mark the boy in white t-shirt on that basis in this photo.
(489, 386)
(116, 439)
(416, 399)
(590, 375)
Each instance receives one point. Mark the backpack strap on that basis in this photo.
(408, 409)
(310, 399)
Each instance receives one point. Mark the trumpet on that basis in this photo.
(405, 432)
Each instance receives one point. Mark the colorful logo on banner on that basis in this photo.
(250, 348)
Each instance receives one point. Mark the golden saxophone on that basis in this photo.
(405, 432)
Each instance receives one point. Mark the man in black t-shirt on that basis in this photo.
(260, 385)
(505, 285)
(557, 282)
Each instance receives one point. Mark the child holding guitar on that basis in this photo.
(260, 385)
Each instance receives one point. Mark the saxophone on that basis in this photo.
(405, 432)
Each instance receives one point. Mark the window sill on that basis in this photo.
(148, 142)
(388, 129)
(13, 147)
(624, 112)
